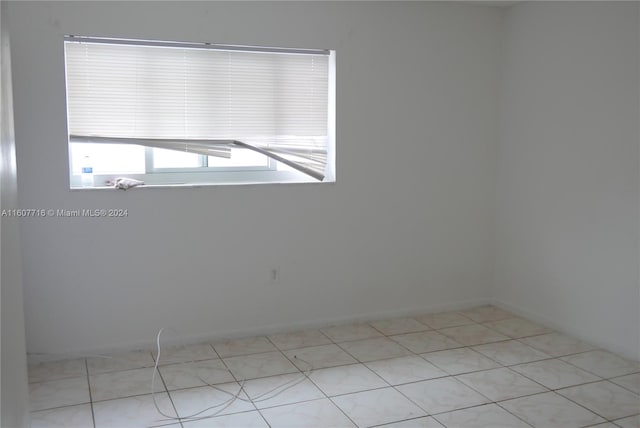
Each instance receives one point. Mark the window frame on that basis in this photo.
(220, 175)
(204, 167)
(196, 177)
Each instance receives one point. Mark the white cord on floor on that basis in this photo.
(267, 395)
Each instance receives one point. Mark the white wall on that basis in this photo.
(397, 232)
(568, 183)
(13, 391)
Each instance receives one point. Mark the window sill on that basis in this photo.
(197, 180)
(198, 185)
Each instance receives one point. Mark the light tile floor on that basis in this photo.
(482, 367)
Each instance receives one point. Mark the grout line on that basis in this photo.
(166, 389)
(263, 417)
(595, 374)
(125, 397)
(407, 420)
(93, 416)
(427, 415)
(581, 405)
(435, 415)
(553, 356)
(177, 363)
(379, 331)
(306, 401)
(59, 407)
(517, 374)
(343, 412)
(513, 414)
(611, 379)
(358, 392)
(197, 419)
(349, 353)
(325, 394)
(216, 352)
(58, 379)
(325, 334)
(294, 402)
(272, 343)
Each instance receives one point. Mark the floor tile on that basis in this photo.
(107, 386)
(630, 422)
(299, 339)
(631, 382)
(603, 363)
(133, 412)
(460, 360)
(54, 370)
(517, 327)
(58, 393)
(555, 373)
(604, 398)
(246, 346)
(237, 420)
(63, 417)
(377, 407)
(346, 379)
(311, 414)
(405, 369)
(454, 383)
(343, 333)
(486, 313)
(441, 395)
(488, 415)
(185, 354)
(444, 320)
(374, 349)
(473, 334)
(510, 352)
(399, 326)
(188, 402)
(199, 373)
(118, 362)
(551, 410)
(556, 344)
(259, 365)
(318, 357)
(427, 341)
(500, 384)
(426, 422)
(279, 390)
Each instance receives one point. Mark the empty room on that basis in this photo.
(320, 214)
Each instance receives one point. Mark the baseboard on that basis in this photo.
(171, 339)
(323, 323)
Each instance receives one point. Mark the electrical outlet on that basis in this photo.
(275, 275)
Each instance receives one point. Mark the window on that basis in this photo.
(184, 113)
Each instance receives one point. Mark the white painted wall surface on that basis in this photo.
(14, 406)
(407, 226)
(568, 173)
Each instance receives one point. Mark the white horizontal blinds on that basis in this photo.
(275, 101)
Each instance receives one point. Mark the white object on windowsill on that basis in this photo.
(126, 183)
